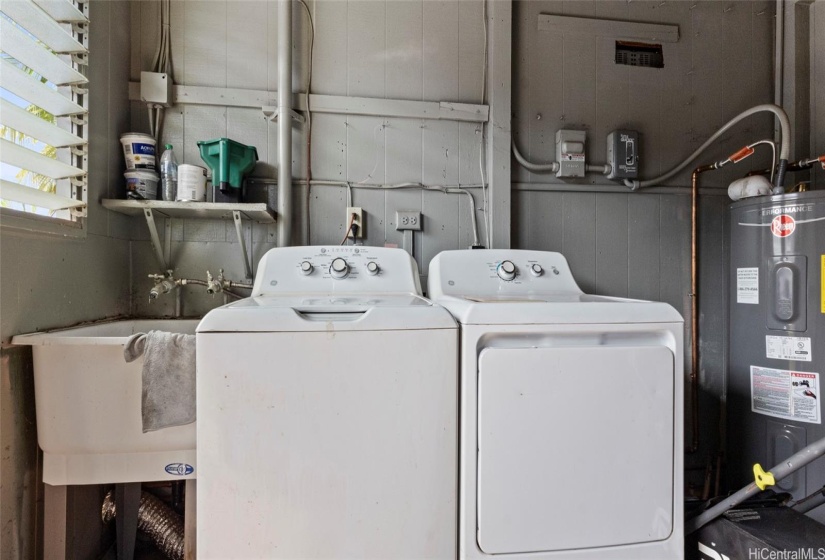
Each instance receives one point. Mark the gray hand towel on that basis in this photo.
(168, 396)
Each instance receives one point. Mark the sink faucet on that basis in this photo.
(163, 284)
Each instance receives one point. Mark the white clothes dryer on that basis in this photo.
(571, 413)
(327, 413)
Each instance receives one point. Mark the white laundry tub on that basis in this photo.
(88, 402)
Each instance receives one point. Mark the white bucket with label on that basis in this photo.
(138, 150)
(142, 184)
(191, 183)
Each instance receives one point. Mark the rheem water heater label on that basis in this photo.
(788, 348)
(792, 395)
(747, 285)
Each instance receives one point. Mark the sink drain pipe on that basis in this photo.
(761, 481)
(157, 520)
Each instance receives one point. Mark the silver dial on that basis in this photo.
(373, 268)
(506, 270)
(536, 270)
(306, 268)
(339, 268)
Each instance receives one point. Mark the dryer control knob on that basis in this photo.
(339, 268)
(373, 268)
(536, 270)
(506, 270)
(306, 268)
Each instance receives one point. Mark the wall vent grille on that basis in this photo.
(639, 54)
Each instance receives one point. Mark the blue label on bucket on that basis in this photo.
(143, 149)
(179, 469)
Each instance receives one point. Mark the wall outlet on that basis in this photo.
(357, 223)
(407, 219)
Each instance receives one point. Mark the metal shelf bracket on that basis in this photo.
(153, 233)
(236, 217)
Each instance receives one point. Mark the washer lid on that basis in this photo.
(327, 312)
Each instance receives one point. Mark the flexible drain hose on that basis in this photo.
(163, 526)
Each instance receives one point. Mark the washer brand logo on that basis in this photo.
(179, 469)
(783, 226)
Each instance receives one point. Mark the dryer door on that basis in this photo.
(575, 447)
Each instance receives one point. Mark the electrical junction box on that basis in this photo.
(156, 88)
(623, 154)
(570, 153)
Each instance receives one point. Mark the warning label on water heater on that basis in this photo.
(788, 348)
(747, 285)
(792, 395)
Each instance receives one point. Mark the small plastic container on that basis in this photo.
(138, 150)
(142, 184)
(191, 183)
(229, 161)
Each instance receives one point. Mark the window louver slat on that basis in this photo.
(62, 10)
(23, 121)
(21, 47)
(34, 91)
(24, 158)
(37, 22)
(34, 197)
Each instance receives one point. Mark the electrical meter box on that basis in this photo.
(570, 153)
(623, 154)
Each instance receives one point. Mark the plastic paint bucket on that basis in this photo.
(142, 184)
(191, 183)
(138, 150)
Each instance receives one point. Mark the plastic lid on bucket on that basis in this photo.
(141, 174)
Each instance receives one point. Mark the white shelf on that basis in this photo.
(256, 212)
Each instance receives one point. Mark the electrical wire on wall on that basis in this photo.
(309, 119)
(163, 64)
(446, 189)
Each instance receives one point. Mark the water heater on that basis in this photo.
(777, 336)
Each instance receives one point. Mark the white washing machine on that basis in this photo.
(327, 413)
(571, 413)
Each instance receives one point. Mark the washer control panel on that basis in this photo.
(336, 269)
(500, 272)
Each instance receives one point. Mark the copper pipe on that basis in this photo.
(694, 305)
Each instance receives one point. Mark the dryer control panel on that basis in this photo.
(501, 272)
(334, 269)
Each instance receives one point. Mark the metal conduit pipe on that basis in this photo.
(553, 166)
(284, 122)
(788, 466)
(784, 152)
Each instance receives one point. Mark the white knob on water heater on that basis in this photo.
(506, 270)
(306, 268)
(339, 268)
(373, 268)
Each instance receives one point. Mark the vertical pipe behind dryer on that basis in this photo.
(284, 122)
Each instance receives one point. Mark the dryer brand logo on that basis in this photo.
(179, 469)
(783, 226)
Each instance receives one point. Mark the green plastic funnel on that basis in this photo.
(228, 160)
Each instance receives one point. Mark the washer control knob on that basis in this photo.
(339, 268)
(536, 270)
(306, 268)
(506, 270)
(373, 268)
